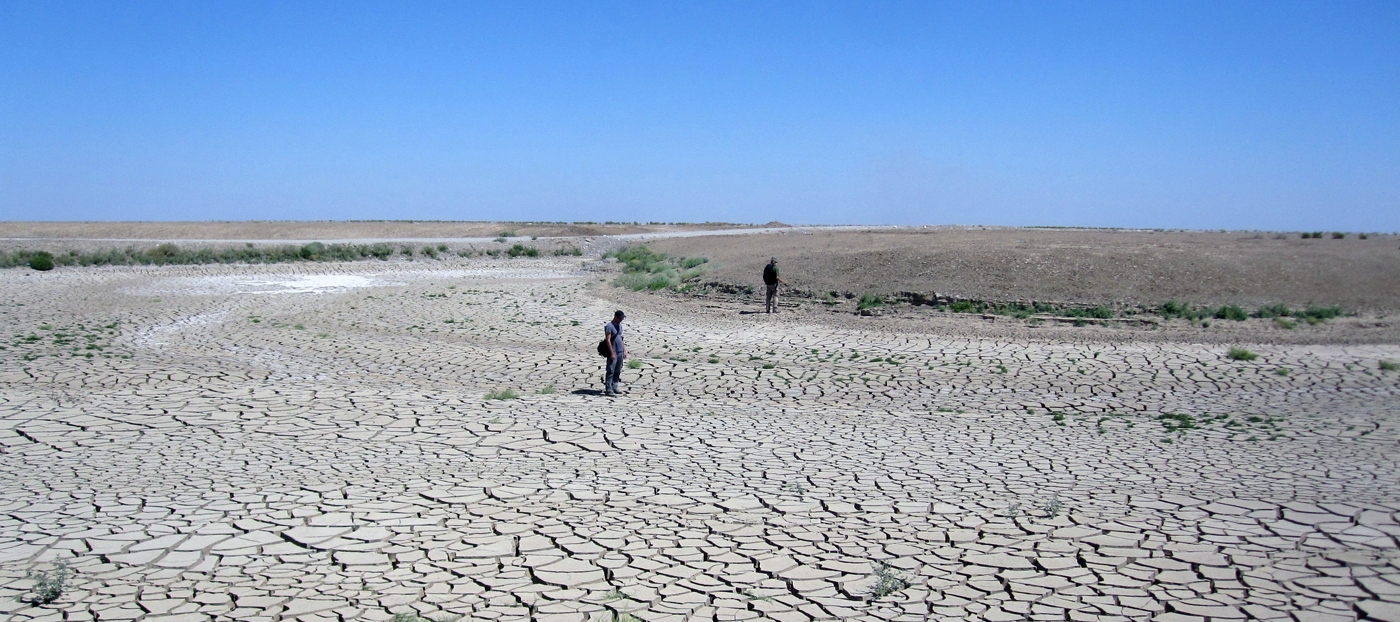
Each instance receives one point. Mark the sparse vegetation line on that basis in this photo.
(171, 254)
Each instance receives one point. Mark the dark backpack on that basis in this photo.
(603, 348)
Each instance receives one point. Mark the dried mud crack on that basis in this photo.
(313, 442)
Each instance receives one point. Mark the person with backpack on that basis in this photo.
(612, 347)
(771, 281)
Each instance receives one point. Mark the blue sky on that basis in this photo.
(1239, 115)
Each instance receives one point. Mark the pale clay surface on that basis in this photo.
(201, 465)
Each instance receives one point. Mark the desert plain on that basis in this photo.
(425, 436)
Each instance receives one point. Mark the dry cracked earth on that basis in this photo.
(314, 442)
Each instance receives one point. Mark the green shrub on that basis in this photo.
(41, 261)
(1285, 324)
(1316, 314)
(1241, 354)
(662, 281)
(887, 581)
(1173, 309)
(568, 251)
(312, 251)
(1389, 366)
(48, 585)
(520, 250)
(634, 364)
(965, 306)
(503, 394)
(1231, 312)
(869, 301)
(1272, 311)
(1338, 235)
(1099, 313)
(644, 269)
(633, 281)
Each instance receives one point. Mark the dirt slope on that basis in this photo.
(1068, 266)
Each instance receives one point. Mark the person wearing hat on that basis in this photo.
(612, 334)
(771, 281)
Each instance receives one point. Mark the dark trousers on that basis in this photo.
(612, 373)
(772, 301)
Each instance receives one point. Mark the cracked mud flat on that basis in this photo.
(311, 442)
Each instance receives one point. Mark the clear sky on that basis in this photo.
(1240, 115)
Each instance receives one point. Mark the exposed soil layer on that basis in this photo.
(1068, 266)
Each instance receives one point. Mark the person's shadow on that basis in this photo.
(587, 392)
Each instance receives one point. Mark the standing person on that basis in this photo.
(771, 281)
(612, 333)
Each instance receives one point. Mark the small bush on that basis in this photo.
(1174, 422)
(887, 581)
(312, 251)
(1389, 366)
(1285, 324)
(1231, 312)
(1338, 235)
(965, 306)
(633, 281)
(1099, 313)
(1241, 354)
(1318, 314)
(164, 250)
(1272, 311)
(503, 394)
(568, 251)
(869, 301)
(634, 364)
(1173, 309)
(48, 585)
(1282, 371)
(41, 261)
(548, 390)
(520, 250)
(661, 281)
